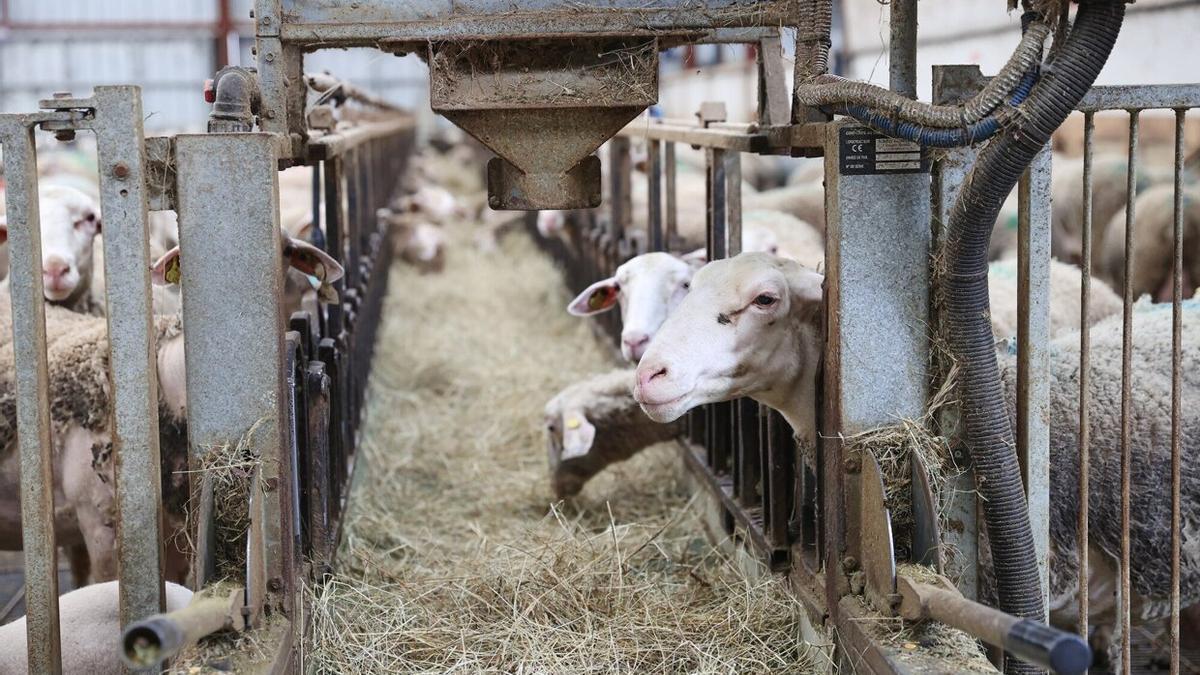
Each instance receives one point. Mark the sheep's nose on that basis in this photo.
(56, 268)
(647, 375)
(635, 341)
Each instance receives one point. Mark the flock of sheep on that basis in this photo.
(693, 331)
(752, 326)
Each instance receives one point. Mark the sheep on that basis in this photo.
(752, 326)
(1065, 309)
(419, 243)
(805, 201)
(594, 423)
(80, 412)
(1109, 183)
(646, 287)
(70, 223)
(1153, 243)
(89, 630)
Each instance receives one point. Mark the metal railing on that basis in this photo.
(290, 388)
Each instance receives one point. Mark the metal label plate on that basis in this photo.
(862, 151)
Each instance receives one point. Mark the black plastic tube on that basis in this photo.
(989, 435)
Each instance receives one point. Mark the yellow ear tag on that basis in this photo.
(573, 423)
(172, 273)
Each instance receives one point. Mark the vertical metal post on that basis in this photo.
(228, 210)
(132, 353)
(733, 202)
(902, 48)
(952, 84)
(1124, 610)
(1176, 391)
(32, 388)
(1033, 355)
(1089, 131)
(717, 234)
(621, 168)
(772, 88)
(654, 221)
(672, 211)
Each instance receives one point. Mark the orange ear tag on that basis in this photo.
(172, 273)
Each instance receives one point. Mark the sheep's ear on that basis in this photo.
(165, 271)
(578, 435)
(697, 258)
(807, 293)
(599, 297)
(311, 261)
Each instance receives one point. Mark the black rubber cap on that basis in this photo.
(1062, 652)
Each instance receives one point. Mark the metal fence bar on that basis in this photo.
(121, 154)
(733, 202)
(672, 215)
(226, 400)
(902, 48)
(1033, 355)
(1176, 391)
(654, 220)
(1085, 342)
(32, 389)
(1126, 394)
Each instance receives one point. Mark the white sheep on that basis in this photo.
(752, 326)
(805, 201)
(646, 288)
(1065, 308)
(89, 631)
(80, 413)
(594, 423)
(418, 242)
(1154, 244)
(70, 223)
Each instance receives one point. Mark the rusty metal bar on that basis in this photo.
(1033, 354)
(733, 202)
(133, 364)
(620, 192)
(672, 215)
(718, 235)
(774, 99)
(1140, 97)
(1176, 391)
(1085, 376)
(32, 388)
(902, 48)
(1124, 615)
(654, 221)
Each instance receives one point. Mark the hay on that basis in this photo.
(231, 469)
(893, 447)
(455, 557)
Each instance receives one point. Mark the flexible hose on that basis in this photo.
(833, 90)
(1064, 81)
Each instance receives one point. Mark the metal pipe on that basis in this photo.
(1085, 348)
(1176, 389)
(237, 101)
(149, 642)
(654, 189)
(1123, 612)
(672, 210)
(902, 48)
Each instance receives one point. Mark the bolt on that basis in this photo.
(62, 94)
(851, 465)
(849, 563)
(269, 57)
(275, 584)
(269, 114)
(65, 135)
(120, 170)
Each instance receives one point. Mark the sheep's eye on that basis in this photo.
(765, 300)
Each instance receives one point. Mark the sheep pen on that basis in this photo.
(455, 555)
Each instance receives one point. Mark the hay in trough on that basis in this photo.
(457, 559)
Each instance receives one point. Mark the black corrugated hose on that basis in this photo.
(1065, 79)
